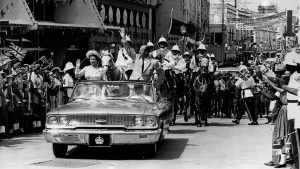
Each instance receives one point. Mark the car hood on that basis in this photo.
(107, 107)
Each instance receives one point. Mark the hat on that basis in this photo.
(186, 53)
(69, 66)
(17, 64)
(105, 53)
(286, 73)
(162, 39)
(201, 47)
(56, 68)
(91, 53)
(150, 44)
(35, 66)
(175, 48)
(212, 55)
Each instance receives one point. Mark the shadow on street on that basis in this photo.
(222, 124)
(165, 151)
(186, 131)
(22, 139)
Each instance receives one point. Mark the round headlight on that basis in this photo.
(63, 120)
(52, 120)
(138, 121)
(151, 121)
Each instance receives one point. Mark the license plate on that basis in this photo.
(99, 140)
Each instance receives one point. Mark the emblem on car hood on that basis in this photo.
(100, 121)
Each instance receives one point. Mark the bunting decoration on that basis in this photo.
(16, 51)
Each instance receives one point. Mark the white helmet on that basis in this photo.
(162, 39)
(212, 55)
(186, 53)
(68, 66)
(150, 44)
(176, 48)
(201, 47)
(105, 52)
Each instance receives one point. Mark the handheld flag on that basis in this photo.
(16, 51)
(180, 28)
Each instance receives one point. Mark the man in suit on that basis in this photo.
(146, 68)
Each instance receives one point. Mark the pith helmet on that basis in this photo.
(175, 48)
(69, 66)
(150, 44)
(162, 39)
(201, 47)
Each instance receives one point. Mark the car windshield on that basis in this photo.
(118, 91)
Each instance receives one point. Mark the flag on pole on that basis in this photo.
(180, 28)
(16, 51)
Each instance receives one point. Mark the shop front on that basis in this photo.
(133, 16)
(44, 27)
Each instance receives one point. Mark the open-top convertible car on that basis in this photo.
(102, 114)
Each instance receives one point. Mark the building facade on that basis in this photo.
(266, 7)
(225, 37)
(135, 16)
(187, 11)
(38, 26)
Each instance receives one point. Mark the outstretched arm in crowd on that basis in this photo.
(290, 90)
(123, 59)
(78, 72)
(274, 86)
(269, 95)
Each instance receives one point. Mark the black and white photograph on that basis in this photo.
(149, 84)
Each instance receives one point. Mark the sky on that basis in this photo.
(282, 4)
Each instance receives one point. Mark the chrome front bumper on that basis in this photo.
(116, 137)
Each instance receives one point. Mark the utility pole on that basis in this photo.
(223, 27)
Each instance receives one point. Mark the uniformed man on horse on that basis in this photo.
(201, 85)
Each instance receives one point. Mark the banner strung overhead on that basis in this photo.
(262, 26)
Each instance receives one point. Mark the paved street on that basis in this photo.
(222, 145)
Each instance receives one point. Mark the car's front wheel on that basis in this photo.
(60, 150)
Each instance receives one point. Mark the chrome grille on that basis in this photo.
(70, 139)
(115, 120)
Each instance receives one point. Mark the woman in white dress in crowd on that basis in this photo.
(93, 71)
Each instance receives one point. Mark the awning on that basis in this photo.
(18, 40)
(45, 24)
(81, 13)
(16, 12)
(40, 49)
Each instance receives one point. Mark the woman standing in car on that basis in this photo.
(93, 71)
